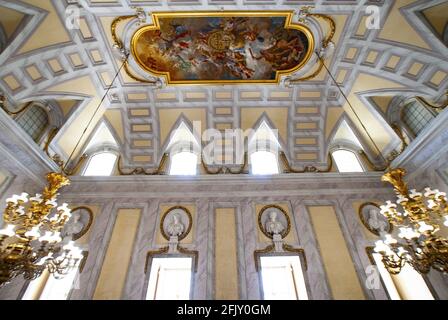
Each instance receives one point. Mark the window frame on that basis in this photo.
(44, 133)
(279, 168)
(91, 155)
(162, 253)
(298, 253)
(343, 148)
(407, 129)
(181, 150)
(371, 250)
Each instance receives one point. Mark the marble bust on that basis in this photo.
(73, 227)
(377, 222)
(273, 226)
(175, 228)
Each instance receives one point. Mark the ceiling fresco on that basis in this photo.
(74, 67)
(222, 47)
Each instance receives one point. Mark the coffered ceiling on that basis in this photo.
(41, 59)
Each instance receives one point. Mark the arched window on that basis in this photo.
(101, 164)
(347, 161)
(263, 150)
(416, 117)
(34, 121)
(183, 149)
(264, 162)
(183, 163)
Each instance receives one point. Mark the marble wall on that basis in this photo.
(151, 195)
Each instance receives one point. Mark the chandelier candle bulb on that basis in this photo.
(430, 192)
(424, 227)
(417, 220)
(389, 239)
(46, 237)
(33, 233)
(8, 231)
(408, 233)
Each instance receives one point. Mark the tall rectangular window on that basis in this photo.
(47, 287)
(282, 278)
(170, 279)
(407, 285)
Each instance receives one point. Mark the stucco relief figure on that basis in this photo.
(273, 226)
(175, 228)
(73, 227)
(376, 222)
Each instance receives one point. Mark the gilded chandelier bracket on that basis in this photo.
(418, 217)
(31, 241)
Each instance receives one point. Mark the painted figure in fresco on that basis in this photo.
(227, 48)
(283, 55)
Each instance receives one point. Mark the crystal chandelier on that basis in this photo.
(418, 217)
(31, 241)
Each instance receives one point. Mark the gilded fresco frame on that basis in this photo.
(238, 13)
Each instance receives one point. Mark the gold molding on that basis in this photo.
(430, 105)
(227, 170)
(56, 158)
(288, 221)
(153, 253)
(164, 251)
(51, 135)
(86, 227)
(14, 113)
(190, 222)
(113, 29)
(82, 264)
(141, 171)
(325, 42)
(239, 13)
(193, 253)
(289, 169)
(364, 156)
(120, 46)
(286, 247)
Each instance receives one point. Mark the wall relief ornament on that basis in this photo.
(176, 222)
(79, 224)
(373, 220)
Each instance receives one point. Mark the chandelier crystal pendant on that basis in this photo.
(31, 241)
(419, 218)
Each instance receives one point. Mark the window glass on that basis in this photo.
(170, 279)
(34, 121)
(264, 162)
(101, 164)
(183, 163)
(347, 161)
(407, 285)
(416, 117)
(282, 278)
